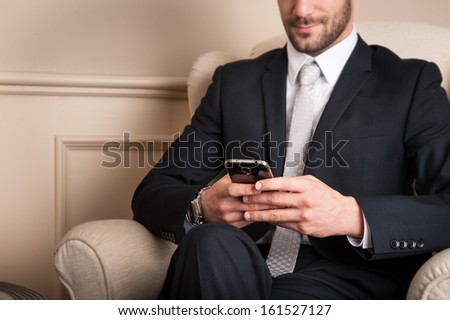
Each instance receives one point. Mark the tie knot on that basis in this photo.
(309, 73)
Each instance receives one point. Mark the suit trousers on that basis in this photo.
(218, 261)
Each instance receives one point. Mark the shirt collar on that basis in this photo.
(331, 61)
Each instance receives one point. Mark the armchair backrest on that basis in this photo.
(407, 39)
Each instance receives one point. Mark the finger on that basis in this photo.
(233, 205)
(232, 217)
(310, 177)
(288, 184)
(274, 216)
(242, 189)
(257, 207)
(276, 199)
(237, 205)
(224, 188)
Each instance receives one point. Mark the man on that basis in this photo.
(371, 202)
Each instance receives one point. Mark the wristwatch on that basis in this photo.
(195, 212)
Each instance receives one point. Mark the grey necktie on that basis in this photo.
(285, 242)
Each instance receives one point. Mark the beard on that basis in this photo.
(334, 27)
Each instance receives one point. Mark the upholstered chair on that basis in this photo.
(120, 259)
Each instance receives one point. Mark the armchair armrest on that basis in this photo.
(121, 259)
(432, 281)
(112, 259)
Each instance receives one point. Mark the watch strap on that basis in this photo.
(195, 216)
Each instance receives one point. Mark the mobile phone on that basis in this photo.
(247, 170)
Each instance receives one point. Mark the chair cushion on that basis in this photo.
(201, 73)
(9, 291)
(112, 259)
(432, 281)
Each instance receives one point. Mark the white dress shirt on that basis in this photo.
(331, 63)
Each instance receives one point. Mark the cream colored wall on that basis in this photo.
(133, 37)
(77, 74)
(155, 37)
(430, 11)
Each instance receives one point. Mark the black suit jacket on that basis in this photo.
(384, 138)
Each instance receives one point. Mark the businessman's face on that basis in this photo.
(316, 25)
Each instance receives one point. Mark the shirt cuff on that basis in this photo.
(366, 241)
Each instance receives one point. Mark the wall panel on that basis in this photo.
(53, 134)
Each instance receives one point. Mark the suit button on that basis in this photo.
(395, 244)
(420, 243)
(403, 244)
(411, 244)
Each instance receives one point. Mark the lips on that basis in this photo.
(306, 27)
(305, 24)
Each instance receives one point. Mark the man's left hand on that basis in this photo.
(307, 205)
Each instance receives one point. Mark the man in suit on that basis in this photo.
(373, 199)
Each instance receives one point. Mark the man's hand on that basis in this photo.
(222, 203)
(307, 205)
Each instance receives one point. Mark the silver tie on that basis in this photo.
(286, 242)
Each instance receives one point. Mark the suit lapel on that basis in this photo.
(274, 93)
(353, 77)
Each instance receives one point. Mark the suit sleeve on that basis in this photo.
(163, 197)
(405, 225)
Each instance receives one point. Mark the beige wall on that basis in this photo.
(154, 37)
(75, 74)
(429, 11)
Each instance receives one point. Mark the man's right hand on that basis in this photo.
(222, 203)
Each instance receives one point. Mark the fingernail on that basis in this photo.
(247, 216)
(245, 198)
(258, 186)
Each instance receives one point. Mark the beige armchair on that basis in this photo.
(120, 259)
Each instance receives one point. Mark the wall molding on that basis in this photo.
(66, 144)
(54, 84)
